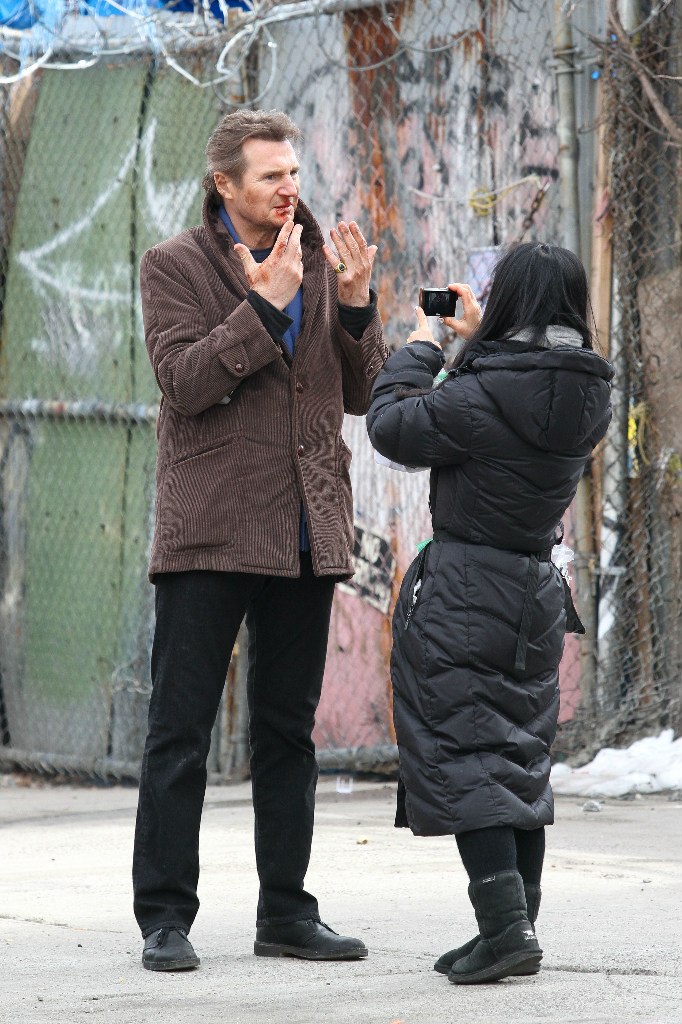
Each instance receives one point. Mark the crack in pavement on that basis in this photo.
(59, 924)
(607, 971)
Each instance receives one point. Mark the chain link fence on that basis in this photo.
(96, 171)
(638, 683)
(435, 126)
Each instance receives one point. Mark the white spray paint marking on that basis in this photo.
(60, 276)
(168, 206)
(76, 296)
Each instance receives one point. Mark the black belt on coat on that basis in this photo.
(532, 581)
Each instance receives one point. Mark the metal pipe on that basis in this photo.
(360, 759)
(380, 759)
(630, 13)
(615, 482)
(40, 408)
(564, 53)
(68, 764)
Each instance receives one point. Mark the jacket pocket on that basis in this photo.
(199, 503)
(344, 491)
(217, 444)
(573, 623)
(415, 586)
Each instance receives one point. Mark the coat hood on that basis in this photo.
(555, 399)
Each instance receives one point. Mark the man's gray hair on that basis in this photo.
(224, 150)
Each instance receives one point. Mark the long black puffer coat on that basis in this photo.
(479, 625)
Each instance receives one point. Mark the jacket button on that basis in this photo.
(239, 367)
(300, 449)
(299, 386)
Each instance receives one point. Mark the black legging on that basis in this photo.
(503, 848)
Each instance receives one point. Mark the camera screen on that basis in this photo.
(440, 301)
(437, 301)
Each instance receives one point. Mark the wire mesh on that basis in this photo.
(435, 126)
(639, 586)
(96, 174)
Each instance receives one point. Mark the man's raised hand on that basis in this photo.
(353, 264)
(278, 277)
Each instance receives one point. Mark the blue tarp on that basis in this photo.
(187, 5)
(21, 14)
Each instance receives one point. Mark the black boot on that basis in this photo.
(445, 962)
(507, 940)
(308, 940)
(169, 949)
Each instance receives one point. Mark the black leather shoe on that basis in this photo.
(168, 949)
(309, 940)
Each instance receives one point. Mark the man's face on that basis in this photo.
(267, 195)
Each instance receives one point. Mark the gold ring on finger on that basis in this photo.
(340, 267)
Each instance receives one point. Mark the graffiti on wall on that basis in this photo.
(74, 294)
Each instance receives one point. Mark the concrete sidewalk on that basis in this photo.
(610, 922)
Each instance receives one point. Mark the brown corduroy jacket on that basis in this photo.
(231, 477)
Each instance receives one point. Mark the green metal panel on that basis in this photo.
(130, 677)
(67, 325)
(114, 165)
(73, 558)
(67, 334)
(177, 120)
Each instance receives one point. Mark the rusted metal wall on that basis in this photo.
(402, 147)
(404, 143)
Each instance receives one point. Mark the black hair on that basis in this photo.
(534, 285)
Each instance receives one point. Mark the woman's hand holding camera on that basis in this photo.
(423, 332)
(463, 326)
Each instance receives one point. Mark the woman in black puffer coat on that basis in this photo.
(479, 625)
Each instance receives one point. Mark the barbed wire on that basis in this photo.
(66, 27)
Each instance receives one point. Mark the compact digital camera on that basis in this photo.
(438, 301)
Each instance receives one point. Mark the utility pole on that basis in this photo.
(569, 225)
(565, 70)
(614, 476)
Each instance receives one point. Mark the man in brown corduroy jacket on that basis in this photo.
(260, 337)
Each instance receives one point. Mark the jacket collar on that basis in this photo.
(222, 243)
(556, 336)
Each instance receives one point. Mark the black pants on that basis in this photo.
(198, 615)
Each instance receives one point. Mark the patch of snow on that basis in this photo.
(650, 765)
